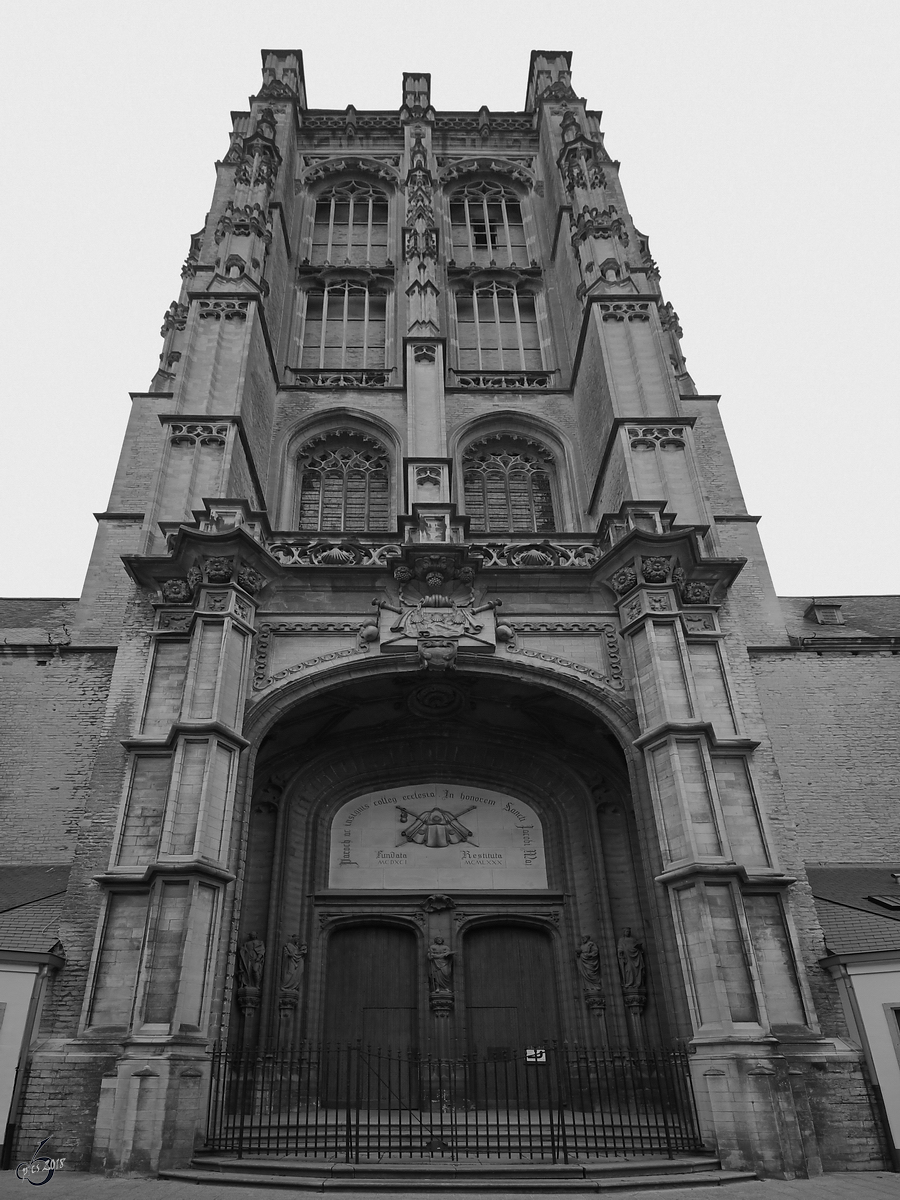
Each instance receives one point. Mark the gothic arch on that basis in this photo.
(315, 786)
(530, 428)
(354, 423)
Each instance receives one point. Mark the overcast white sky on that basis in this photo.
(759, 144)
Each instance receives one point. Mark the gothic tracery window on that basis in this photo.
(487, 225)
(350, 225)
(344, 483)
(508, 485)
(497, 329)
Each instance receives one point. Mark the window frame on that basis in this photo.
(467, 195)
(356, 189)
(359, 440)
(327, 289)
(550, 458)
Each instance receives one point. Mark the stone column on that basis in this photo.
(169, 867)
(726, 891)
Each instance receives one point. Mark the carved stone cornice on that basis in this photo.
(671, 558)
(327, 274)
(355, 164)
(198, 558)
(473, 276)
(486, 165)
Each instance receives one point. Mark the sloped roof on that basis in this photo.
(864, 616)
(21, 885)
(852, 923)
(27, 612)
(32, 927)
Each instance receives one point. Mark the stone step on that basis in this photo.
(294, 1165)
(424, 1181)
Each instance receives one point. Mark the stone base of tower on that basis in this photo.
(149, 1112)
(107, 1112)
(786, 1114)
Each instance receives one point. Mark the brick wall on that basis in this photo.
(52, 712)
(835, 730)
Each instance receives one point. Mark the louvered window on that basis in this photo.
(351, 225)
(344, 484)
(343, 327)
(497, 329)
(487, 225)
(508, 485)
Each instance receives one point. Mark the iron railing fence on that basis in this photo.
(356, 1103)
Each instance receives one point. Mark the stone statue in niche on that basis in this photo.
(435, 828)
(440, 966)
(292, 962)
(251, 961)
(632, 967)
(588, 955)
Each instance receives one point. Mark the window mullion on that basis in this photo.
(515, 297)
(477, 327)
(487, 226)
(330, 249)
(350, 230)
(509, 253)
(498, 324)
(324, 328)
(365, 352)
(304, 306)
(344, 327)
(530, 482)
(369, 230)
(469, 232)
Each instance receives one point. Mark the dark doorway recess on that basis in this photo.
(510, 991)
(371, 989)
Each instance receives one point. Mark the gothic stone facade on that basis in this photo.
(423, 516)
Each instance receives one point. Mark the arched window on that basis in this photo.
(497, 328)
(508, 485)
(487, 225)
(344, 483)
(343, 326)
(351, 225)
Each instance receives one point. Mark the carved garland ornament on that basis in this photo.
(266, 630)
(612, 680)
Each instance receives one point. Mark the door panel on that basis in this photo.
(510, 995)
(371, 987)
(370, 1015)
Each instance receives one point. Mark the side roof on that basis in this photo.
(852, 923)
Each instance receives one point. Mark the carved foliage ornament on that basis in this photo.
(215, 570)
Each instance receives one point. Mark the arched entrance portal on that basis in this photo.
(443, 873)
(487, 815)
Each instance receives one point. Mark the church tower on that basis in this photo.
(430, 723)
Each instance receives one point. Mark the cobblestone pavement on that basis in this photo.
(868, 1185)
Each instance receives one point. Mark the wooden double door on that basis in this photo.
(504, 980)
